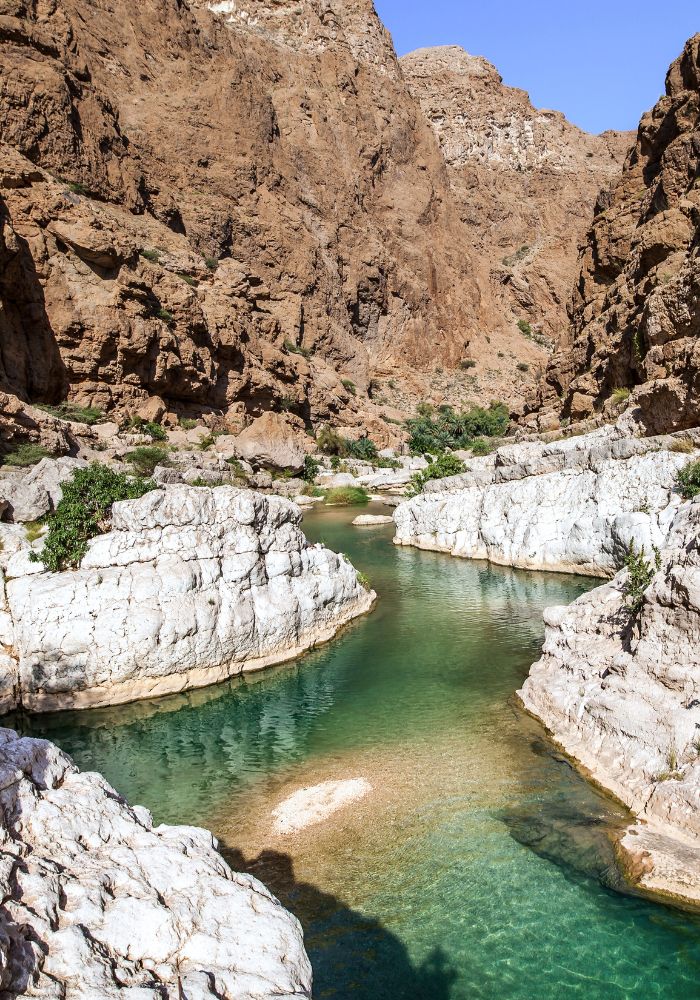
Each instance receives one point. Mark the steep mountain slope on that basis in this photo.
(277, 140)
(635, 310)
(526, 181)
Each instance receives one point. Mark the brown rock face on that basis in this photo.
(635, 313)
(525, 180)
(223, 204)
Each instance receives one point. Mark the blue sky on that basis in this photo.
(602, 62)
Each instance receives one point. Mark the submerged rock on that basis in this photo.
(369, 519)
(99, 903)
(312, 805)
(621, 694)
(192, 585)
(569, 506)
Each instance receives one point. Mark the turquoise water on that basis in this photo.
(480, 865)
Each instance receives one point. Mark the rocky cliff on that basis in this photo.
(234, 207)
(568, 506)
(635, 306)
(620, 692)
(99, 902)
(240, 207)
(191, 586)
(525, 181)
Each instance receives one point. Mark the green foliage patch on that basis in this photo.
(145, 458)
(71, 411)
(24, 455)
(443, 466)
(688, 480)
(435, 430)
(639, 575)
(353, 496)
(85, 511)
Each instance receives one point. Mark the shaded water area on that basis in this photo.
(480, 865)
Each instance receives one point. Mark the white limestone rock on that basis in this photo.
(312, 805)
(191, 586)
(39, 491)
(623, 698)
(101, 905)
(570, 506)
(368, 520)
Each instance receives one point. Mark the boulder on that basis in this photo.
(370, 519)
(39, 491)
(99, 902)
(276, 441)
(191, 586)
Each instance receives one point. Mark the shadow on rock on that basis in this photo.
(352, 955)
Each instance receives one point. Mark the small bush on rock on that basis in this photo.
(688, 480)
(84, 511)
(363, 449)
(26, 454)
(311, 469)
(639, 575)
(145, 458)
(443, 466)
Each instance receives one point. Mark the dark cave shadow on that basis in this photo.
(354, 957)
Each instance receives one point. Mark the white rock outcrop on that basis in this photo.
(98, 903)
(622, 696)
(191, 586)
(569, 506)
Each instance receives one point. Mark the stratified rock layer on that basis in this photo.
(635, 307)
(192, 585)
(569, 506)
(99, 904)
(621, 694)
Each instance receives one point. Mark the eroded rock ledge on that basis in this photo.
(569, 506)
(622, 697)
(191, 586)
(99, 903)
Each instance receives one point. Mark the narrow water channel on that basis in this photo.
(480, 864)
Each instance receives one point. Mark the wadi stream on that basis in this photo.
(480, 863)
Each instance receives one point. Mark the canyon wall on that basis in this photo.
(635, 317)
(241, 207)
(525, 180)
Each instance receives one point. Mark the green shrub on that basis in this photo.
(525, 327)
(481, 447)
(346, 495)
(84, 511)
(77, 187)
(145, 458)
(71, 411)
(26, 454)
(152, 255)
(620, 395)
(211, 262)
(349, 386)
(433, 431)
(237, 469)
(639, 575)
(688, 480)
(684, 445)
(363, 581)
(166, 316)
(443, 466)
(188, 279)
(187, 424)
(467, 363)
(312, 468)
(293, 348)
(522, 366)
(385, 463)
(330, 442)
(33, 529)
(363, 449)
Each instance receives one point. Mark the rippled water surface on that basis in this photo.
(480, 865)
